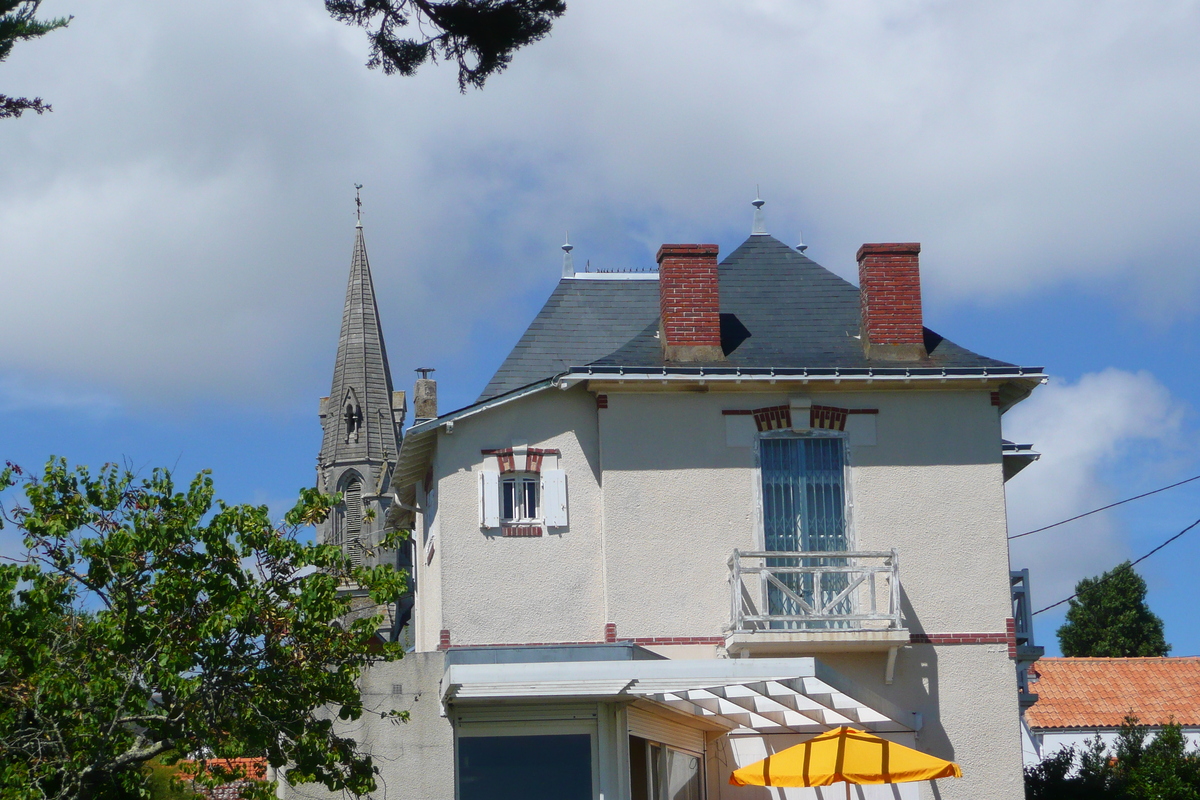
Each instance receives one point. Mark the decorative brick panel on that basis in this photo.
(995, 398)
(889, 279)
(601, 401)
(610, 631)
(521, 530)
(444, 640)
(828, 418)
(773, 418)
(689, 299)
(1010, 626)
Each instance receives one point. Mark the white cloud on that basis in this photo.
(179, 226)
(1110, 435)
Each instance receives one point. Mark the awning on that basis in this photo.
(743, 696)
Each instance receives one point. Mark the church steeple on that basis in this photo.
(359, 419)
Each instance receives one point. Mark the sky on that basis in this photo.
(175, 237)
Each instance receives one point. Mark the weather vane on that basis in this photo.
(358, 201)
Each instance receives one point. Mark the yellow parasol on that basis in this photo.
(844, 754)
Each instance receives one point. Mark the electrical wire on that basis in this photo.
(1131, 565)
(1104, 508)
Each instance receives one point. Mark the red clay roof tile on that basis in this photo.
(1100, 692)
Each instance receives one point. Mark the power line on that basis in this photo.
(1104, 508)
(1131, 565)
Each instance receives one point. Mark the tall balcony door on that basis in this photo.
(804, 509)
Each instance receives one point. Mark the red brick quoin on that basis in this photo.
(689, 301)
(889, 278)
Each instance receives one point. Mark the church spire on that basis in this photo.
(359, 421)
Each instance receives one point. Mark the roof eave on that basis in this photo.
(419, 440)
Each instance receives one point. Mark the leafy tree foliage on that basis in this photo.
(1138, 767)
(143, 621)
(1109, 618)
(480, 35)
(18, 22)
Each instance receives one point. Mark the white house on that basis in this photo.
(701, 512)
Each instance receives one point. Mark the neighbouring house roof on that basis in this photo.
(1091, 693)
(779, 309)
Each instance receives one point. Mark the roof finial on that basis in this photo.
(760, 221)
(358, 204)
(568, 262)
(802, 246)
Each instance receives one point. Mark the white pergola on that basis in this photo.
(744, 696)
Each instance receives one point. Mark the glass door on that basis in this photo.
(804, 509)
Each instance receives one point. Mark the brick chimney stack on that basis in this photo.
(689, 302)
(889, 279)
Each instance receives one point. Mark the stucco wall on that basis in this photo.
(966, 696)
(415, 758)
(497, 590)
(658, 500)
(678, 499)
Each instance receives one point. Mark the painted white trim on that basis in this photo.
(613, 276)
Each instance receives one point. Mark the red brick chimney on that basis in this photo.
(889, 279)
(689, 302)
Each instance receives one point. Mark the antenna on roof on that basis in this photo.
(760, 221)
(358, 204)
(802, 246)
(568, 262)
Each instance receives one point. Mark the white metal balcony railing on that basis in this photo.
(807, 590)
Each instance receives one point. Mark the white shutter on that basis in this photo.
(489, 499)
(554, 497)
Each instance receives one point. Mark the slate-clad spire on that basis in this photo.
(360, 429)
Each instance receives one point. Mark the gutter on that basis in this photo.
(576, 375)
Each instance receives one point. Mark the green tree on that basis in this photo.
(480, 35)
(1109, 618)
(1139, 766)
(19, 22)
(142, 622)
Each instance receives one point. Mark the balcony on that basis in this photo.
(796, 603)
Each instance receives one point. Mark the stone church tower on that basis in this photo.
(362, 419)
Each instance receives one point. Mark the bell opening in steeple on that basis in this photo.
(352, 416)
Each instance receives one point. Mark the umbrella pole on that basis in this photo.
(847, 790)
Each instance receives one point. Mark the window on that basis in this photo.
(348, 521)
(519, 767)
(523, 498)
(804, 510)
(520, 498)
(658, 772)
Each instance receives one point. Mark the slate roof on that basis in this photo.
(779, 309)
(1091, 693)
(361, 367)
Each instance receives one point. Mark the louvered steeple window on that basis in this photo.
(352, 538)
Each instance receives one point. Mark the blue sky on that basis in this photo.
(177, 232)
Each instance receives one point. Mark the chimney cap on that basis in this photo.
(425, 372)
(686, 250)
(888, 249)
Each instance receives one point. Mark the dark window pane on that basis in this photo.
(520, 767)
(510, 499)
(531, 503)
(639, 777)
